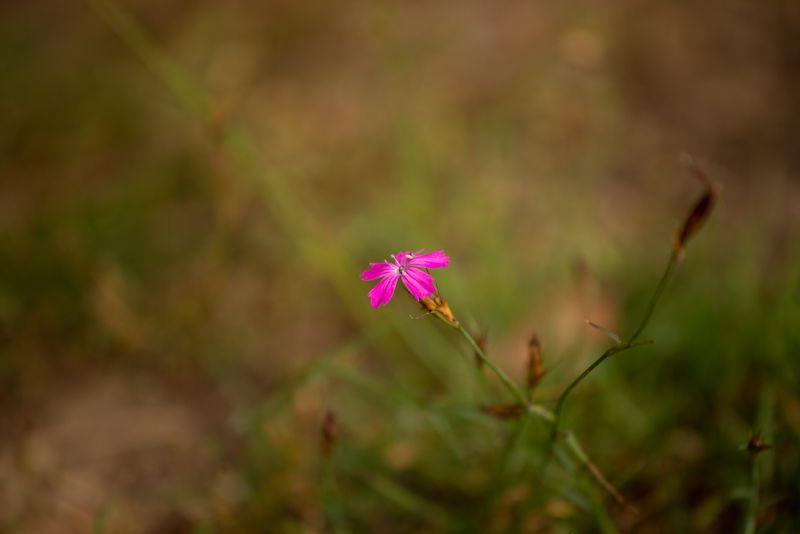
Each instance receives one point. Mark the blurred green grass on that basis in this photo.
(190, 194)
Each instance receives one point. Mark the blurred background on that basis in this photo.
(190, 190)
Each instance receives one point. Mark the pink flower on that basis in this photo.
(407, 266)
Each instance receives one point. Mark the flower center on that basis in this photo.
(401, 262)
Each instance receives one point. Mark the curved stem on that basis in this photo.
(651, 306)
(603, 357)
(574, 384)
(632, 342)
(549, 417)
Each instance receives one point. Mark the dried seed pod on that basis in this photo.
(535, 368)
(504, 411)
(700, 212)
(436, 305)
(757, 445)
(694, 221)
(329, 432)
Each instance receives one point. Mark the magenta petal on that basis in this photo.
(383, 291)
(378, 270)
(419, 283)
(431, 260)
(402, 258)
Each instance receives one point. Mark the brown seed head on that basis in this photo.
(700, 212)
(757, 445)
(436, 305)
(504, 411)
(329, 431)
(535, 368)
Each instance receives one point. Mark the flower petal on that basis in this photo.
(378, 270)
(383, 291)
(431, 260)
(419, 283)
(402, 258)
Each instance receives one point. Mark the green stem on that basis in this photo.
(603, 357)
(533, 409)
(651, 306)
(511, 386)
(556, 416)
(546, 415)
(632, 342)
(752, 508)
(331, 498)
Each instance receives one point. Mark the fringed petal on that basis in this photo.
(383, 291)
(431, 260)
(378, 270)
(419, 283)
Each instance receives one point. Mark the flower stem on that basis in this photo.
(512, 388)
(542, 413)
(673, 260)
(533, 409)
(632, 342)
(603, 357)
(751, 520)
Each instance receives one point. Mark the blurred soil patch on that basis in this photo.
(129, 451)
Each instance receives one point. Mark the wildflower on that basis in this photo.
(408, 267)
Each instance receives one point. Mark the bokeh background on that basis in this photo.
(189, 191)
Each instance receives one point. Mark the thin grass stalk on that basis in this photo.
(534, 410)
(515, 391)
(631, 343)
(651, 306)
(751, 519)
